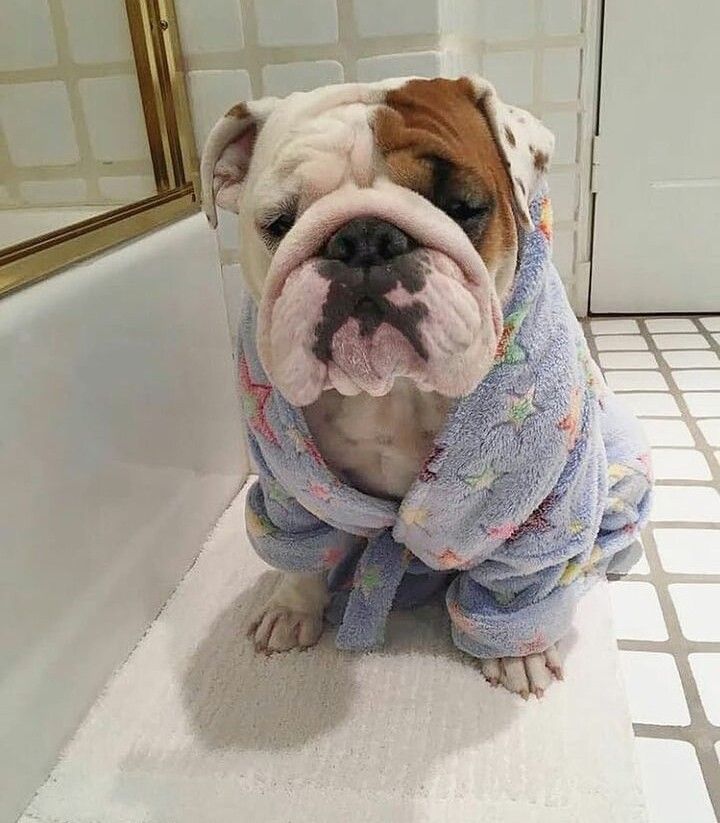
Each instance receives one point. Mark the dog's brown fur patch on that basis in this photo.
(441, 118)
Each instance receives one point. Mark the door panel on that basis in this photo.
(657, 219)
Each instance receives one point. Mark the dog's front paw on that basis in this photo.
(279, 629)
(524, 675)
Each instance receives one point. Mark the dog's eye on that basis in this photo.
(464, 211)
(280, 226)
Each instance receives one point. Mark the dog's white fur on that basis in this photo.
(300, 150)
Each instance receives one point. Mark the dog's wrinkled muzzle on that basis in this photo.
(430, 313)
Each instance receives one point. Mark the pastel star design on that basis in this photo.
(509, 350)
(277, 493)
(428, 474)
(414, 516)
(370, 579)
(536, 644)
(319, 491)
(258, 525)
(460, 619)
(546, 219)
(449, 559)
(332, 556)
(502, 532)
(576, 526)
(617, 471)
(570, 423)
(520, 407)
(305, 445)
(575, 569)
(255, 397)
(482, 481)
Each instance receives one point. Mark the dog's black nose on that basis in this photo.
(366, 242)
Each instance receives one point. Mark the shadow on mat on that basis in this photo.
(237, 699)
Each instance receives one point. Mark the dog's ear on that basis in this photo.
(525, 144)
(227, 153)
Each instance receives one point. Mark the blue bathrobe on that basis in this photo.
(539, 483)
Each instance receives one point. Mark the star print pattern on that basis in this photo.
(570, 424)
(509, 350)
(520, 407)
(255, 397)
(483, 480)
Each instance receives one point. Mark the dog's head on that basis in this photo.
(379, 228)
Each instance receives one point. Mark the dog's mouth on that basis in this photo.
(358, 330)
(356, 315)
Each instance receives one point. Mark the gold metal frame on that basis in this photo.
(156, 45)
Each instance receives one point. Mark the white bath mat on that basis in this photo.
(195, 728)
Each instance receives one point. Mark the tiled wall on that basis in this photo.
(541, 54)
(72, 122)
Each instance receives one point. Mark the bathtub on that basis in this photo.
(120, 445)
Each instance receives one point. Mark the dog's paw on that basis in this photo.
(280, 629)
(524, 675)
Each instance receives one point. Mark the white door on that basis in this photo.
(657, 219)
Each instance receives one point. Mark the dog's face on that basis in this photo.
(379, 229)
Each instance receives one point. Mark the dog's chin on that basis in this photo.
(447, 346)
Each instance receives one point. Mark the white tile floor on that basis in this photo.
(667, 610)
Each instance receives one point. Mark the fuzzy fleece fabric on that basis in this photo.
(538, 484)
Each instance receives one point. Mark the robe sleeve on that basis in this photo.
(284, 533)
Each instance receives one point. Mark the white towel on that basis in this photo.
(196, 728)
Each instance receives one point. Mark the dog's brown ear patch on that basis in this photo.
(227, 153)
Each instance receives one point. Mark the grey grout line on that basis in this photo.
(700, 733)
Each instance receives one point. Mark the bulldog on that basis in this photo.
(380, 227)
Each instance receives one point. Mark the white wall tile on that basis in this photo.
(692, 359)
(688, 551)
(280, 79)
(5, 197)
(673, 783)
(505, 20)
(561, 74)
(698, 609)
(680, 464)
(98, 31)
(653, 688)
(563, 191)
(466, 16)
(418, 63)
(563, 124)
(228, 231)
(511, 72)
(562, 16)
(127, 188)
(233, 290)
(381, 18)
(114, 117)
(667, 432)
(636, 381)
(38, 124)
(636, 611)
(51, 192)
(680, 341)
(279, 23)
(211, 94)
(691, 380)
(26, 35)
(690, 504)
(706, 670)
(651, 404)
(703, 404)
(628, 360)
(209, 27)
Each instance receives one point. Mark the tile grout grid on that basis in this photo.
(700, 732)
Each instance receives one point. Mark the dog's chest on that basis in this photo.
(377, 444)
